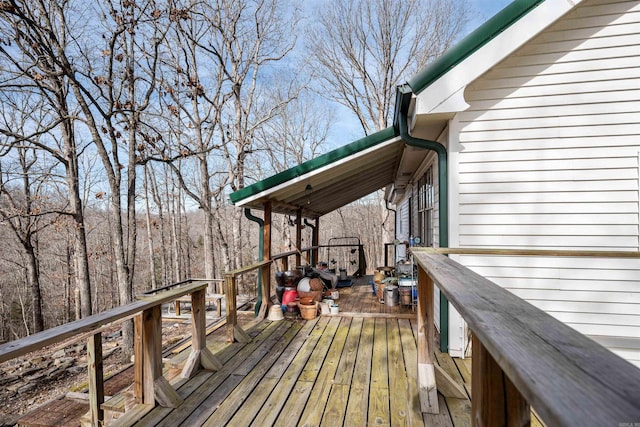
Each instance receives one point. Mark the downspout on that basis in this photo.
(313, 261)
(260, 221)
(402, 107)
(395, 224)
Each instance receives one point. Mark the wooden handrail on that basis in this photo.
(528, 252)
(150, 387)
(248, 268)
(523, 356)
(173, 285)
(60, 333)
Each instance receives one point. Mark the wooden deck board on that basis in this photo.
(216, 397)
(229, 406)
(277, 399)
(410, 351)
(398, 397)
(312, 414)
(379, 386)
(340, 370)
(198, 396)
(358, 403)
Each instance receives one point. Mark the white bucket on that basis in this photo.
(275, 313)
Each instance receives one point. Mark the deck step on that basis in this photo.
(61, 412)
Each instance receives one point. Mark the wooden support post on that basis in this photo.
(495, 401)
(177, 304)
(427, 389)
(232, 315)
(234, 331)
(314, 242)
(298, 237)
(219, 307)
(155, 387)
(96, 379)
(200, 356)
(285, 263)
(138, 360)
(266, 255)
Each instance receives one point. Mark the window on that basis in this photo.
(426, 204)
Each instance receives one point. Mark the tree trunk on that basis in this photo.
(152, 262)
(33, 278)
(83, 282)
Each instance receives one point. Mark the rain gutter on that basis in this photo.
(403, 99)
(260, 221)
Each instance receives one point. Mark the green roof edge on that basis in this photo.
(314, 164)
(472, 42)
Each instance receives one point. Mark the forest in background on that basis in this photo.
(125, 124)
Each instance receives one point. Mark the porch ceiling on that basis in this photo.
(336, 178)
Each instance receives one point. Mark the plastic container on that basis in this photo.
(290, 295)
(275, 313)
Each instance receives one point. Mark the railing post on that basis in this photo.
(234, 332)
(495, 400)
(232, 317)
(200, 355)
(155, 386)
(285, 263)
(138, 360)
(426, 331)
(96, 379)
(266, 255)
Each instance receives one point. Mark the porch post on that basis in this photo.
(314, 242)
(495, 401)
(427, 389)
(298, 237)
(266, 271)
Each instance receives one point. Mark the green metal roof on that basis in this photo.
(474, 41)
(362, 170)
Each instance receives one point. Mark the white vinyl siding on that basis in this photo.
(549, 159)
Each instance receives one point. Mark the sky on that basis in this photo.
(485, 9)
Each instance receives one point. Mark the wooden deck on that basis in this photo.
(330, 371)
(354, 369)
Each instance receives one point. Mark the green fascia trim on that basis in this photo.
(313, 164)
(474, 41)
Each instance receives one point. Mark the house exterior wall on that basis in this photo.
(548, 156)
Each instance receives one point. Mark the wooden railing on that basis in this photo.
(521, 355)
(150, 387)
(234, 331)
(284, 257)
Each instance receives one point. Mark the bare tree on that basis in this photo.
(295, 135)
(213, 94)
(362, 49)
(110, 92)
(30, 70)
(22, 211)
